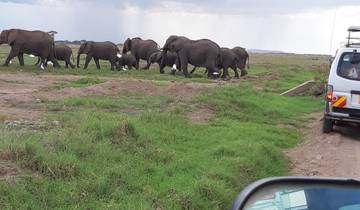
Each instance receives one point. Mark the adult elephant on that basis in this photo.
(169, 59)
(98, 51)
(243, 59)
(203, 52)
(62, 53)
(141, 49)
(22, 42)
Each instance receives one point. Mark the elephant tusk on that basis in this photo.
(42, 67)
(119, 55)
(174, 67)
(32, 56)
(215, 73)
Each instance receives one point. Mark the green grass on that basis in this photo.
(135, 151)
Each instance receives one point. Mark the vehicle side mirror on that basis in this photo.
(300, 193)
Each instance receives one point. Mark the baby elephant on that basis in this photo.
(62, 53)
(169, 59)
(127, 60)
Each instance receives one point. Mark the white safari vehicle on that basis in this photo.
(343, 88)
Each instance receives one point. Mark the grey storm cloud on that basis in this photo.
(215, 6)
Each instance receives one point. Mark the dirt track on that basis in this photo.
(336, 154)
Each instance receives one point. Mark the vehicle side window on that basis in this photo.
(349, 66)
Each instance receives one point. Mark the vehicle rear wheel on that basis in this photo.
(328, 125)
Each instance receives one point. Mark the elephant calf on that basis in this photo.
(165, 59)
(127, 60)
(62, 53)
(98, 51)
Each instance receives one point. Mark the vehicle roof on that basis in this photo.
(354, 29)
(348, 49)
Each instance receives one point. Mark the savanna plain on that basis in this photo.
(101, 139)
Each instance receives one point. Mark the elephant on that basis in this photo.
(229, 59)
(22, 42)
(243, 58)
(98, 50)
(170, 59)
(141, 49)
(62, 53)
(127, 60)
(203, 52)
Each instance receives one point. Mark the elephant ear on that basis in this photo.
(11, 36)
(3, 36)
(128, 45)
(87, 47)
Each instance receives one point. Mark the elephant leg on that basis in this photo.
(111, 65)
(184, 66)
(21, 59)
(66, 65)
(13, 53)
(68, 61)
(43, 63)
(147, 65)
(161, 67)
(97, 63)
(236, 72)
(87, 60)
(129, 67)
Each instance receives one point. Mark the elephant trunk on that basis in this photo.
(78, 60)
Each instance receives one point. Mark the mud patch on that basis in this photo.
(201, 114)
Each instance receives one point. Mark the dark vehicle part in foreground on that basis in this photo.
(300, 193)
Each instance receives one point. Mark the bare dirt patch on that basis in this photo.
(201, 114)
(184, 89)
(17, 94)
(22, 95)
(106, 88)
(9, 171)
(336, 154)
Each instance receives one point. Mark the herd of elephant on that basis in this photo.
(177, 53)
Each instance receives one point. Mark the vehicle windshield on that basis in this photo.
(349, 66)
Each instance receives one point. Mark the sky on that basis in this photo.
(297, 26)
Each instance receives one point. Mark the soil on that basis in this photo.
(22, 95)
(336, 154)
(8, 171)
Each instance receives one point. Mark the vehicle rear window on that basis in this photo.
(349, 66)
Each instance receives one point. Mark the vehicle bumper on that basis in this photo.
(347, 115)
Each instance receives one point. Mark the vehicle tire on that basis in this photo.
(328, 125)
